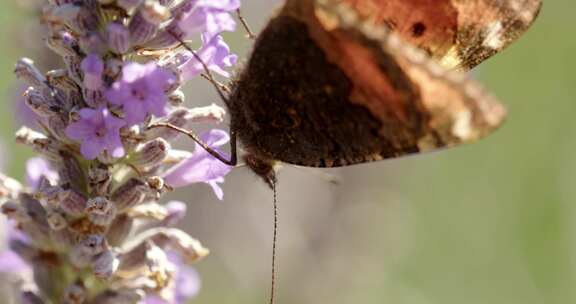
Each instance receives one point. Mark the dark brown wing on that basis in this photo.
(327, 87)
(457, 33)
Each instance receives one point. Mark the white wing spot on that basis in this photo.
(494, 36)
(462, 127)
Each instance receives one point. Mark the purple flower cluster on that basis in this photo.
(91, 207)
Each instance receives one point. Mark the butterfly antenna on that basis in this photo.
(249, 32)
(274, 241)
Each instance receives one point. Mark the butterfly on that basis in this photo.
(339, 82)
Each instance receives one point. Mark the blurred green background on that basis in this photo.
(492, 222)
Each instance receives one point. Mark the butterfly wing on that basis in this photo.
(454, 109)
(327, 86)
(458, 33)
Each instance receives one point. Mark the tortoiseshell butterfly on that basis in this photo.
(340, 82)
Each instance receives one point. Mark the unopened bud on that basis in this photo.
(56, 220)
(105, 264)
(60, 13)
(63, 43)
(26, 71)
(39, 142)
(76, 293)
(57, 124)
(119, 229)
(178, 240)
(72, 202)
(73, 67)
(212, 114)
(39, 103)
(100, 211)
(130, 194)
(71, 171)
(176, 98)
(83, 253)
(118, 37)
(144, 25)
(151, 153)
(15, 211)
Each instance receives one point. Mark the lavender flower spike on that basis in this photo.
(141, 91)
(97, 130)
(201, 166)
(91, 226)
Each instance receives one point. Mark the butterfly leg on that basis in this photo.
(233, 157)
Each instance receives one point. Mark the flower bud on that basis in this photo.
(57, 125)
(56, 220)
(148, 211)
(93, 67)
(154, 12)
(99, 178)
(15, 211)
(83, 253)
(39, 103)
(63, 43)
(151, 153)
(176, 212)
(76, 293)
(36, 227)
(118, 37)
(72, 202)
(130, 194)
(165, 38)
(60, 13)
(39, 142)
(211, 114)
(144, 25)
(26, 71)
(178, 240)
(93, 98)
(73, 67)
(60, 79)
(119, 229)
(87, 19)
(134, 259)
(178, 118)
(47, 269)
(48, 193)
(93, 42)
(71, 172)
(100, 211)
(105, 264)
(176, 98)
(63, 239)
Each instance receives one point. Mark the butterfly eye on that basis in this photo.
(418, 29)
